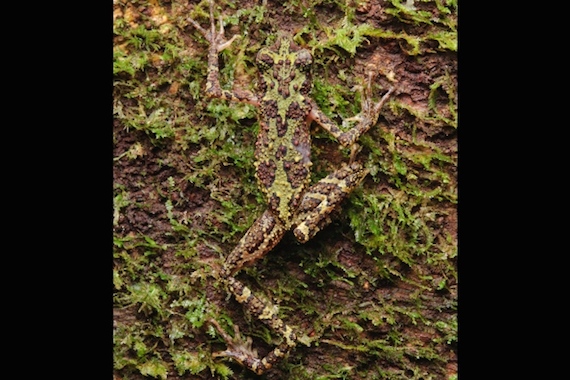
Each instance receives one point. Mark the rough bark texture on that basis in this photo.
(373, 295)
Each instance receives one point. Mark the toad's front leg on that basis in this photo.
(218, 43)
(366, 118)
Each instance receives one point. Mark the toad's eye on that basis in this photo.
(304, 60)
(264, 60)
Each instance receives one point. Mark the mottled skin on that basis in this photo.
(283, 163)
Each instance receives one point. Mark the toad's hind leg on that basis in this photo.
(240, 349)
(323, 198)
(261, 237)
(258, 241)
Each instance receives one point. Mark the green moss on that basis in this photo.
(154, 368)
(360, 292)
(412, 11)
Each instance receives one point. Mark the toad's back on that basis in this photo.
(283, 147)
